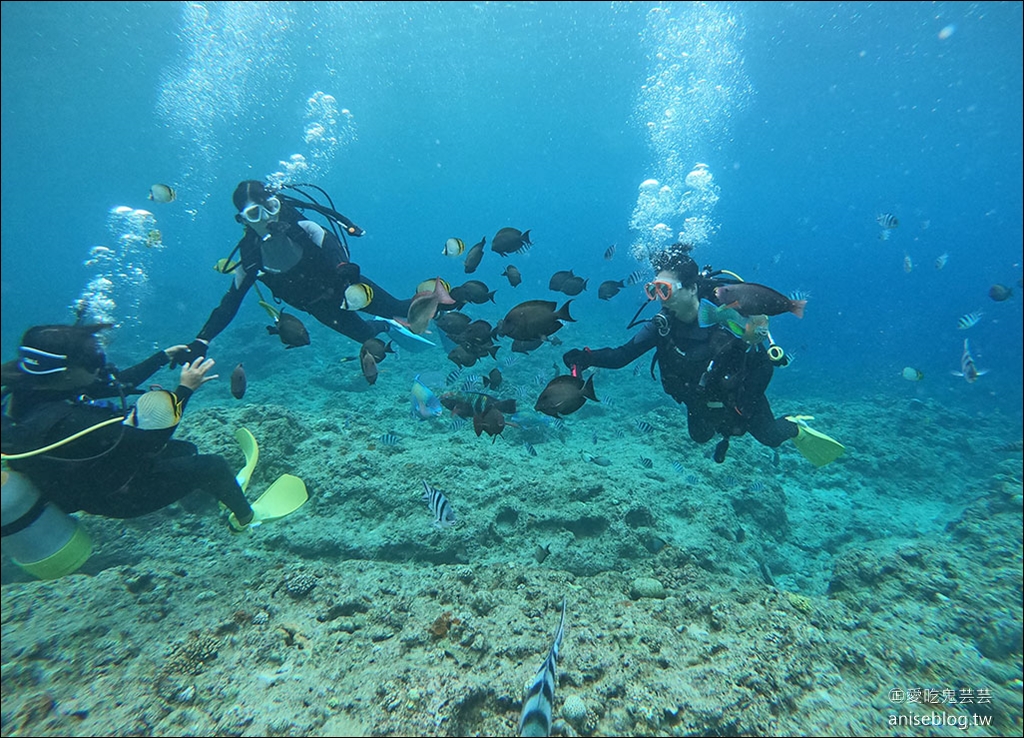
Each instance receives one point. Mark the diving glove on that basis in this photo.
(815, 446)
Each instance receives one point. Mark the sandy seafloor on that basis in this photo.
(788, 599)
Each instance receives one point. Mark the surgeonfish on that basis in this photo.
(565, 394)
(290, 329)
(1000, 292)
(513, 275)
(238, 382)
(610, 289)
(535, 718)
(510, 240)
(534, 319)
(444, 515)
(162, 193)
(968, 369)
(969, 321)
(474, 255)
(368, 364)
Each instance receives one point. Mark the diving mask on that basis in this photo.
(256, 211)
(661, 289)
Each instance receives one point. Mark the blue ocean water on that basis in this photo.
(461, 118)
(770, 135)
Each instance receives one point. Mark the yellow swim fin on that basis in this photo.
(815, 446)
(251, 450)
(283, 497)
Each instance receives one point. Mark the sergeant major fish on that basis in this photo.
(535, 718)
(968, 369)
(444, 515)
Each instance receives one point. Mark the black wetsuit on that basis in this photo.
(315, 284)
(117, 471)
(719, 378)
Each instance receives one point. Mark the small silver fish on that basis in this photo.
(535, 718)
(940, 261)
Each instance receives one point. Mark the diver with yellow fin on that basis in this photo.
(69, 446)
(715, 355)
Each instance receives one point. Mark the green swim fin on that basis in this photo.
(251, 450)
(815, 446)
(283, 497)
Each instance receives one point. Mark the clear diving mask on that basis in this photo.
(254, 212)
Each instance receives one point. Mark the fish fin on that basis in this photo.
(798, 308)
(706, 313)
(563, 313)
(588, 389)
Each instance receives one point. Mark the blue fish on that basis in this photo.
(425, 404)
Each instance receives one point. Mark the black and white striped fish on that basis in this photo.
(887, 220)
(970, 320)
(389, 439)
(635, 278)
(535, 719)
(444, 516)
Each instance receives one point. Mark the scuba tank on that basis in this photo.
(37, 535)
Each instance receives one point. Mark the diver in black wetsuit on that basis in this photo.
(303, 264)
(60, 385)
(719, 376)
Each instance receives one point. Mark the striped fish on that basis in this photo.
(389, 439)
(530, 450)
(635, 278)
(646, 463)
(887, 220)
(643, 426)
(969, 321)
(535, 719)
(444, 516)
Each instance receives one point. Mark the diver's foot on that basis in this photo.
(721, 450)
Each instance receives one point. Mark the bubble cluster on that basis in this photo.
(695, 84)
(115, 293)
(232, 66)
(326, 131)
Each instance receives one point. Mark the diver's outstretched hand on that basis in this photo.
(579, 358)
(193, 374)
(181, 354)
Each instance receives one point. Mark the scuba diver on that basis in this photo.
(712, 358)
(68, 447)
(304, 265)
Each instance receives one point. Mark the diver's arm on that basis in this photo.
(616, 358)
(133, 376)
(224, 313)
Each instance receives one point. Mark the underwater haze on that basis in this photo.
(865, 155)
